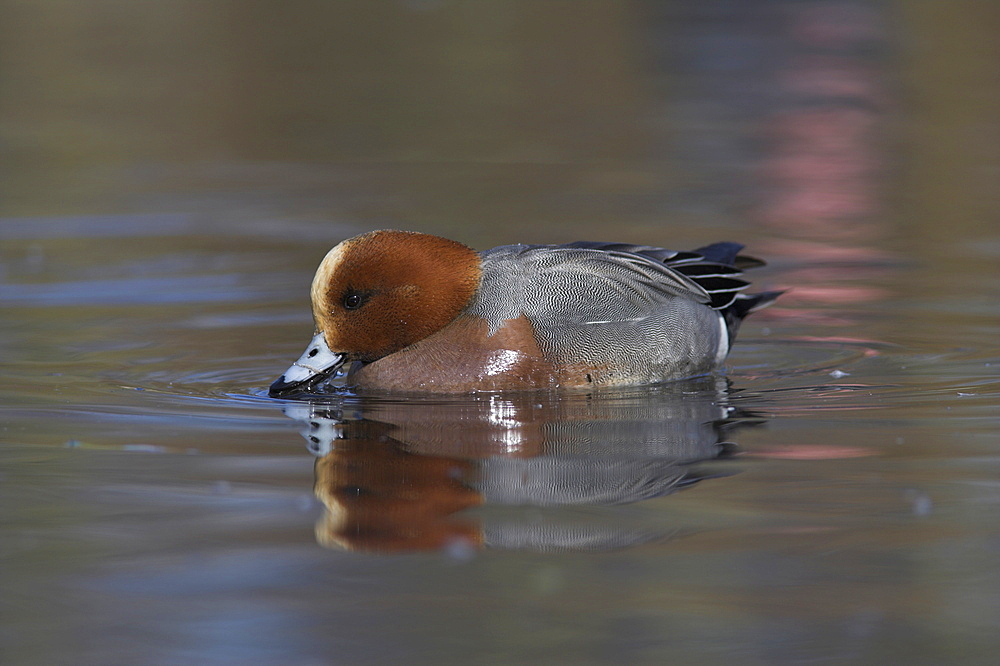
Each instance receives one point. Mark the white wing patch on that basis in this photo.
(614, 321)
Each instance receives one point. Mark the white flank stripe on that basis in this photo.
(723, 351)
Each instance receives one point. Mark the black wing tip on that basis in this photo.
(744, 304)
(743, 262)
(723, 252)
(728, 253)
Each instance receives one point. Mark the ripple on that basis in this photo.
(804, 375)
(231, 384)
(163, 384)
(150, 291)
(776, 375)
(769, 361)
(788, 357)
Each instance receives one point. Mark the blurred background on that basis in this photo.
(507, 120)
(172, 171)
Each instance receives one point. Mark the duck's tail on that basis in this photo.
(743, 304)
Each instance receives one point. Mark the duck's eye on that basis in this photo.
(353, 301)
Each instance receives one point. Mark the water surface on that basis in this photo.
(830, 497)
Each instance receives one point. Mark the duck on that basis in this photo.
(405, 311)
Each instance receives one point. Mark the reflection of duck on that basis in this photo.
(415, 312)
(394, 476)
(379, 497)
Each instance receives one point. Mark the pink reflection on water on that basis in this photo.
(837, 294)
(827, 253)
(812, 452)
(835, 24)
(821, 173)
(831, 76)
(821, 176)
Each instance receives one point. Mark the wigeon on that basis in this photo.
(413, 312)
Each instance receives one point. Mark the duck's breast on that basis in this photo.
(465, 356)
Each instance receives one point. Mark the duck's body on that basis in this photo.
(421, 313)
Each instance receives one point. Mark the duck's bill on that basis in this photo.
(316, 364)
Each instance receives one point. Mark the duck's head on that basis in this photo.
(377, 293)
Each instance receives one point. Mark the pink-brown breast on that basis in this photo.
(463, 357)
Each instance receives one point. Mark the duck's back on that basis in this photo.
(620, 314)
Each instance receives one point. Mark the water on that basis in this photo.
(170, 187)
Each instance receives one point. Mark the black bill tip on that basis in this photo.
(280, 388)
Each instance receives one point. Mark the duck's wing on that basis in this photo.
(716, 269)
(598, 283)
